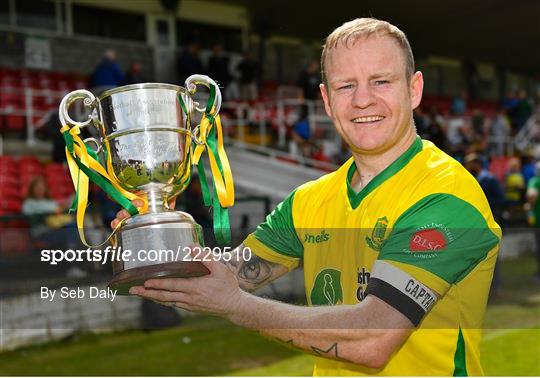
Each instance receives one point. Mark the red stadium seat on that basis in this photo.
(9, 78)
(10, 192)
(15, 122)
(10, 206)
(29, 159)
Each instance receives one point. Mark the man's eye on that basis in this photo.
(348, 86)
(381, 82)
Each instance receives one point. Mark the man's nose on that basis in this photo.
(363, 96)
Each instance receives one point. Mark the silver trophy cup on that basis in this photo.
(145, 139)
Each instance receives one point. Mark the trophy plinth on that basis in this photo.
(158, 245)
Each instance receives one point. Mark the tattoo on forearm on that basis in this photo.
(253, 272)
(332, 351)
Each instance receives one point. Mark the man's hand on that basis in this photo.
(251, 274)
(217, 293)
(123, 214)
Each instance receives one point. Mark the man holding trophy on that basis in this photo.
(398, 245)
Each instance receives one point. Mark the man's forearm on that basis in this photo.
(348, 332)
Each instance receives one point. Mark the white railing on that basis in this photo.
(264, 127)
(528, 137)
(34, 117)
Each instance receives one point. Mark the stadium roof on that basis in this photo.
(505, 32)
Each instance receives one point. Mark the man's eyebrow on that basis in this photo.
(379, 75)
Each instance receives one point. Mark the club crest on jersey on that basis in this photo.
(327, 290)
(378, 234)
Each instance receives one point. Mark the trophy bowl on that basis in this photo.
(146, 140)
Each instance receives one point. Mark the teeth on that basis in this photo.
(367, 119)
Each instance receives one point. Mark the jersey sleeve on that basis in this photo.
(276, 239)
(534, 184)
(434, 244)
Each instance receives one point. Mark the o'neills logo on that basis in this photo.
(427, 240)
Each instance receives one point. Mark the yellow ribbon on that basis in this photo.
(81, 182)
(224, 183)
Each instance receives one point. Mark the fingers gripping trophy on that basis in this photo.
(146, 148)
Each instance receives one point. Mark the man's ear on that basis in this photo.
(417, 87)
(326, 99)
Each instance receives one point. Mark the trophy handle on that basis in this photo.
(96, 142)
(89, 101)
(191, 86)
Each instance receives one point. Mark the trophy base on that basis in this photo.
(126, 279)
(156, 245)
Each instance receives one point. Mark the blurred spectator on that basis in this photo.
(301, 134)
(107, 74)
(134, 74)
(463, 138)
(455, 123)
(510, 101)
(523, 110)
(52, 127)
(515, 183)
(435, 129)
(250, 71)
(498, 131)
(37, 200)
(218, 67)
(493, 190)
(495, 196)
(529, 169)
(309, 81)
(48, 224)
(533, 200)
(459, 104)
(478, 123)
(190, 62)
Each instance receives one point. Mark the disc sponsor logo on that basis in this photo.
(427, 241)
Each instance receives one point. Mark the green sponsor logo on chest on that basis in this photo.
(327, 288)
(317, 238)
(378, 234)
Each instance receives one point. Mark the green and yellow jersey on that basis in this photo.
(419, 236)
(534, 184)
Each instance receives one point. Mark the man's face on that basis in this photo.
(369, 97)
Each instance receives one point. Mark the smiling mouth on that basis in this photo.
(369, 119)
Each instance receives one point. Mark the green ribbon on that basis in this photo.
(222, 227)
(98, 179)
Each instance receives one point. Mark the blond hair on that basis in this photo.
(350, 32)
